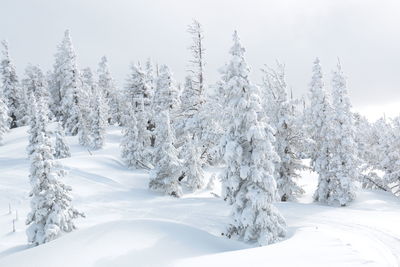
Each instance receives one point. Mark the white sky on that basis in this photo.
(365, 34)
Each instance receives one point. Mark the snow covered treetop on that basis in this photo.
(237, 48)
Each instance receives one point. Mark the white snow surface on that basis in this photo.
(129, 225)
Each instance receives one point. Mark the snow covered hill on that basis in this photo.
(128, 225)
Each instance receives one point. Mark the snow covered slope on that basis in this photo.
(128, 225)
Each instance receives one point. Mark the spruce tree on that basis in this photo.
(137, 87)
(166, 95)
(61, 146)
(167, 170)
(193, 171)
(248, 180)
(51, 211)
(338, 167)
(86, 104)
(150, 79)
(318, 125)
(4, 118)
(389, 156)
(111, 94)
(10, 87)
(67, 85)
(34, 83)
(98, 119)
(136, 141)
(288, 135)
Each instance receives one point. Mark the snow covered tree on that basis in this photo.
(389, 155)
(4, 118)
(369, 139)
(248, 180)
(137, 90)
(98, 119)
(86, 104)
(149, 71)
(341, 165)
(187, 122)
(10, 87)
(87, 81)
(210, 127)
(316, 114)
(197, 61)
(166, 96)
(129, 142)
(107, 86)
(165, 175)
(67, 85)
(61, 147)
(34, 83)
(33, 133)
(288, 134)
(317, 120)
(189, 98)
(137, 87)
(136, 141)
(192, 169)
(51, 211)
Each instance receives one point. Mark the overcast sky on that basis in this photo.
(365, 34)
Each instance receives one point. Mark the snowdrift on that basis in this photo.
(128, 225)
(124, 243)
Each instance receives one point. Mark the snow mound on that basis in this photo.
(123, 243)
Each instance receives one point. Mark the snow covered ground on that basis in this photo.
(128, 225)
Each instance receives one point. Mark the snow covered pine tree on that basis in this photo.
(61, 148)
(136, 140)
(288, 135)
(10, 87)
(67, 86)
(111, 94)
(344, 165)
(194, 174)
(4, 118)
(51, 211)
(98, 119)
(248, 181)
(317, 124)
(164, 177)
(334, 154)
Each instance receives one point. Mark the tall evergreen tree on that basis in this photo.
(336, 180)
(288, 135)
(86, 104)
(98, 119)
(318, 115)
(111, 94)
(34, 83)
(197, 62)
(193, 171)
(150, 78)
(4, 118)
(136, 141)
(51, 211)
(248, 180)
(61, 146)
(165, 175)
(10, 87)
(67, 85)
(137, 87)
(166, 95)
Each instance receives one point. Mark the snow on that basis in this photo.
(129, 225)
